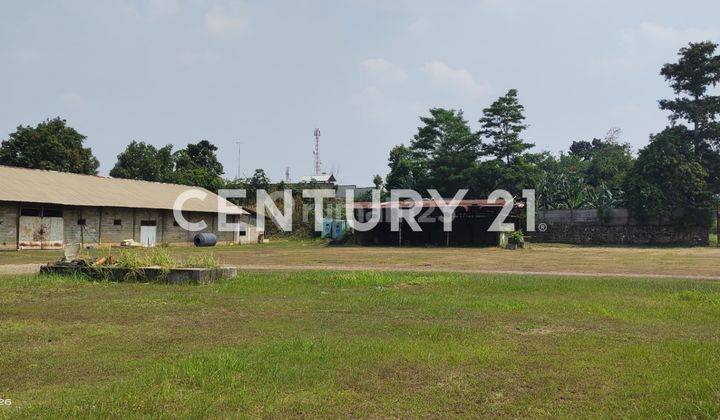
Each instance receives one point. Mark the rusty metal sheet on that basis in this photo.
(30, 232)
(41, 232)
(52, 235)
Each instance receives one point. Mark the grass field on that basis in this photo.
(540, 258)
(361, 344)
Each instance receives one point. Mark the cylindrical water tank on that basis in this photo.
(205, 239)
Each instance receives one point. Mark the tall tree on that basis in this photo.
(402, 169)
(692, 79)
(668, 183)
(259, 181)
(377, 181)
(144, 161)
(197, 164)
(51, 145)
(502, 123)
(697, 71)
(446, 151)
(606, 161)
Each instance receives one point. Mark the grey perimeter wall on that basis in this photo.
(101, 228)
(584, 227)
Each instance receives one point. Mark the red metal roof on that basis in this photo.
(429, 203)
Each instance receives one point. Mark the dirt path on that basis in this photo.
(18, 269)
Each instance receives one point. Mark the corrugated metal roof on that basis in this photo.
(318, 178)
(429, 203)
(51, 187)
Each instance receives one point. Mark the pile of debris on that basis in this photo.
(85, 262)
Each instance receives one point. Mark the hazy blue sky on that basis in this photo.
(268, 72)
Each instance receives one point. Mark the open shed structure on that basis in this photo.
(47, 210)
(471, 221)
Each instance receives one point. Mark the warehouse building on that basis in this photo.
(47, 210)
(470, 224)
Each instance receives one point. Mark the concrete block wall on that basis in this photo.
(584, 227)
(115, 233)
(8, 225)
(100, 226)
(75, 233)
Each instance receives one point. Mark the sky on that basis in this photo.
(267, 73)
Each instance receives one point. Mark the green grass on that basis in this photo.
(713, 239)
(669, 261)
(364, 344)
(160, 257)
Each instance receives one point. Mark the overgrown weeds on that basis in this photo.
(160, 257)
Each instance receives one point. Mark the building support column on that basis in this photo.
(17, 227)
(100, 226)
(400, 233)
(133, 213)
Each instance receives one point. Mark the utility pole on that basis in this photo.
(238, 159)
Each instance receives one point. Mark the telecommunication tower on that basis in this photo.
(316, 152)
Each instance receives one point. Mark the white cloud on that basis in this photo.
(227, 17)
(162, 7)
(456, 79)
(420, 26)
(380, 107)
(72, 101)
(203, 59)
(151, 9)
(648, 45)
(384, 70)
(665, 35)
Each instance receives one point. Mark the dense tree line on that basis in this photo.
(675, 177)
(446, 154)
(51, 145)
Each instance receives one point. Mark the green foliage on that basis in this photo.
(402, 169)
(502, 123)
(442, 155)
(523, 171)
(668, 183)
(197, 165)
(604, 200)
(377, 181)
(144, 161)
(202, 260)
(259, 181)
(516, 237)
(159, 257)
(51, 145)
(251, 185)
(697, 71)
(604, 161)
(693, 79)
